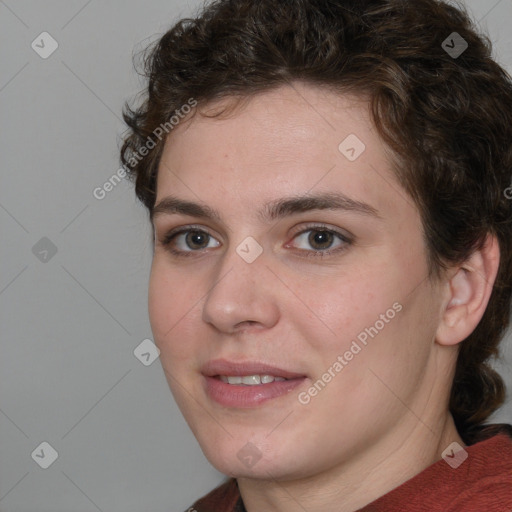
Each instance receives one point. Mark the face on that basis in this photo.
(302, 277)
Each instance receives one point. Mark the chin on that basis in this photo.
(258, 457)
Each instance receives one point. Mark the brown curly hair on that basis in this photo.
(447, 118)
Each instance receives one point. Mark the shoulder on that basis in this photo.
(481, 480)
(486, 482)
(224, 498)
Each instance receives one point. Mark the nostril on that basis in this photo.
(244, 323)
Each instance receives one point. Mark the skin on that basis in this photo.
(384, 417)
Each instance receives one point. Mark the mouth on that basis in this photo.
(247, 384)
(250, 380)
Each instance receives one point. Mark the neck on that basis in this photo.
(410, 449)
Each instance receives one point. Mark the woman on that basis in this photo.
(332, 259)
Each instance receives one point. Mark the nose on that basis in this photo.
(241, 294)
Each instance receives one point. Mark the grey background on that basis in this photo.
(70, 324)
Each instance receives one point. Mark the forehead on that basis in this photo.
(293, 140)
(287, 122)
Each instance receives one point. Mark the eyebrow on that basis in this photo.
(272, 210)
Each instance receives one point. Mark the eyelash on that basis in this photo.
(169, 237)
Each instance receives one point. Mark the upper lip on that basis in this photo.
(244, 368)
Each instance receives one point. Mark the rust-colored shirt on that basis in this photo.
(481, 483)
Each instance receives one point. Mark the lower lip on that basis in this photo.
(233, 395)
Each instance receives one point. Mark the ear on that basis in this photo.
(468, 293)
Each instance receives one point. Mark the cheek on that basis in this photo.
(160, 303)
(340, 308)
(171, 309)
(370, 318)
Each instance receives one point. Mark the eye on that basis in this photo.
(185, 239)
(189, 240)
(322, 240)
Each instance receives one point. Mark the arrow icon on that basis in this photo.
(454, 45)
(44, 455)
(44, 250)
(249, 249)
(44, 45)
(146, 352)
(454, 455)
(249, 455)
(351, 147)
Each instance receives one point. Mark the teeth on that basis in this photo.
(250, 380)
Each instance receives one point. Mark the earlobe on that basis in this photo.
(469, 290)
